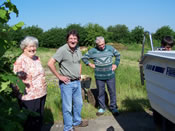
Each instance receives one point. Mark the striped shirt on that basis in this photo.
(103, 61)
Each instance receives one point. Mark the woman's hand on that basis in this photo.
(22, 75)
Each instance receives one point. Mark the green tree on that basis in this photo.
(4, 28)
(33, 31)
(163, 31)
(10, 115)
(137, 34)
(93, 31)
(53, 38)
(17, 36)
(111, 31)
(81, 31)
(119, 33)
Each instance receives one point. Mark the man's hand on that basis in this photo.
(114, 67)
(92, 65)
(64, 79)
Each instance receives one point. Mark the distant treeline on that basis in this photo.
(55, 37)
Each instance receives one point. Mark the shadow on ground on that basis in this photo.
(136, 119)
(48, 114)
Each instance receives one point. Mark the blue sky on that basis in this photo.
(47, 14)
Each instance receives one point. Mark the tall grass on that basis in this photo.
(131, 95)
(53, 103)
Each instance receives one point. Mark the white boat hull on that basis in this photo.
(159, 73)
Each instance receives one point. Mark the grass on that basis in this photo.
(53, 104)
(131, 95)
(129, 88)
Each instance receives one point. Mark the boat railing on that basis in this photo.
(142, 54)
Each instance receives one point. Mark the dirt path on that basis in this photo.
(134, 121)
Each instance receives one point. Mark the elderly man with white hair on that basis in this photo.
(104, 68)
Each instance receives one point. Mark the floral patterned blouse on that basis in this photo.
(33, 76)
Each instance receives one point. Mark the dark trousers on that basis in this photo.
(33, 122)
(101, 92)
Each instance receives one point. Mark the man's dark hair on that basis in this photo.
(167, 40)
(72, 32)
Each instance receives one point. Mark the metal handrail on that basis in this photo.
(150, 37)
(142, 54)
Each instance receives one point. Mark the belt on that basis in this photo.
(74, 79)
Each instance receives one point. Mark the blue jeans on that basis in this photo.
(71, 103)
(101, 93)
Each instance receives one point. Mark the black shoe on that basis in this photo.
(83, 123)
(115, 112)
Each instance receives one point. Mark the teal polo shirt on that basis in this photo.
(68, 61)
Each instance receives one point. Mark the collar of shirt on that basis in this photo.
(68, 48)
(99, 49)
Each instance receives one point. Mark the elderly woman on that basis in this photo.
(29, 69)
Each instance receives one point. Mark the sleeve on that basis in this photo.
(20, 68)
(17, 66)
(86, 57)
(117, 57)
(79, 53)
(58, 55)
